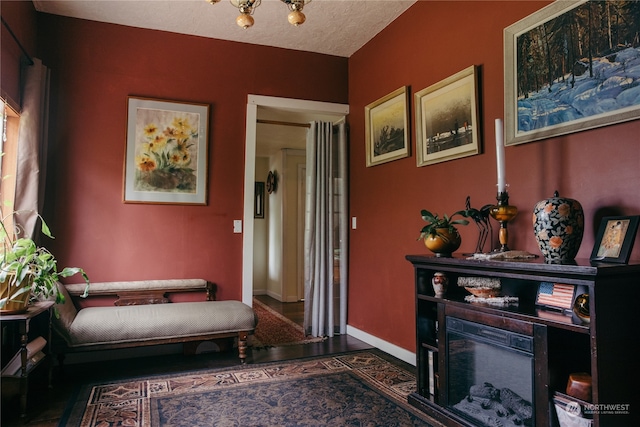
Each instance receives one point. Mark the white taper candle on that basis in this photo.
(502, 183)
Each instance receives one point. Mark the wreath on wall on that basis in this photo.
(272, 182)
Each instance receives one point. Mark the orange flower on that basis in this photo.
(564, 209)
(569, 229)
(555, 241)
(145, 164)
(548, 208)
(150, 129)
(171, 132)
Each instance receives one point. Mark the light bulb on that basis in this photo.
(296, 18)
(245, 21)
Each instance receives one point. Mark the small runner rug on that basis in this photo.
(275, 330)
(364, 388)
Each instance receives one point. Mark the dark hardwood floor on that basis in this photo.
(46, 405)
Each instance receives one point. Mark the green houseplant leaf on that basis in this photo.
(22, 259)
(436, 223)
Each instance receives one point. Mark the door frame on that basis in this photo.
(253, 102)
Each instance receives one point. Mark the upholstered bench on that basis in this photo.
(143, 315)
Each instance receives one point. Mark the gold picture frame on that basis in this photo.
(166, 152)
(562, 74)
(448, 119)
(387, 128)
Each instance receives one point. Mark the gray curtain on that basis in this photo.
(325, 237)
(32, 147)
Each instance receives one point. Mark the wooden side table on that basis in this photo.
(23, 320)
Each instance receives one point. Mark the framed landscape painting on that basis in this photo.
(447, 119)
(571, 66)
(387, 128)
(166, 152)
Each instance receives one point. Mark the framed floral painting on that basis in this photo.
(166, 152)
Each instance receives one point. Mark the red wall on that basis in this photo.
(95, 66)
(431, 41)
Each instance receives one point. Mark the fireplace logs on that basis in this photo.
(496, 407)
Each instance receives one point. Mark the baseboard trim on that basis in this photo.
(387, 347)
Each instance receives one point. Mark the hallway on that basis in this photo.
(293, 311)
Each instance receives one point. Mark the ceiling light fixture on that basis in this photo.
(247, 7)
(296, 17)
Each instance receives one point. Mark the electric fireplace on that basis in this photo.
(490, 374)
(487, 363)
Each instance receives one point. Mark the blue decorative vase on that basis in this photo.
(558, 224)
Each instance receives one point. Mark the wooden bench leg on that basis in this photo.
(242, 346)
(61, 357)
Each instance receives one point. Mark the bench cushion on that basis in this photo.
(135, 323)
(100, 288)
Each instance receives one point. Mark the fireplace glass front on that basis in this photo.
(490, 374)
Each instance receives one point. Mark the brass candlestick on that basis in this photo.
(503, 213)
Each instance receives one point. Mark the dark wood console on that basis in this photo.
(558, 342)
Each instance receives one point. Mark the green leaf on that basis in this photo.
(45, 229)
(428, 216)
(69, 271)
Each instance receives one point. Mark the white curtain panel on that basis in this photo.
(325, 237)
(32, 147)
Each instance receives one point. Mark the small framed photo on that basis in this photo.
(615, 238)
(258, 205)
(166, 152)
(447, 119)
(387, 128)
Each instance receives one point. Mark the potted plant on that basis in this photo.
(440, 234)
(28, 271)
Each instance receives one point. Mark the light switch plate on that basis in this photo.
(237, 226)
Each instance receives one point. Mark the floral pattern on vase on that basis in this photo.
(558, 224)
(440, 284)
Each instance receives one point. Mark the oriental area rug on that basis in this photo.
(363, 388)
(275, 330)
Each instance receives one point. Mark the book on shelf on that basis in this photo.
(432, 362)
(34, 356)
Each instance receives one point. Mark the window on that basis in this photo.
(9, 149)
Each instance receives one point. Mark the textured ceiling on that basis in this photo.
(334, 27)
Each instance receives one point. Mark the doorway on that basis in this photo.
(285, 110)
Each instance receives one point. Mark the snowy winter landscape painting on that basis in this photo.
(571, 66)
